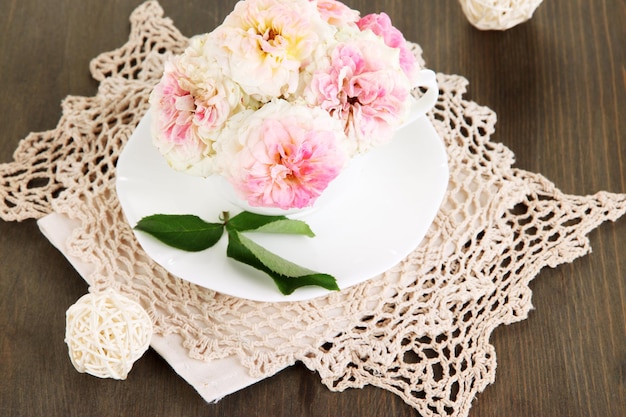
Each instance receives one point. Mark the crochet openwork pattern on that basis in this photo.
(420, 330)
(498, 14)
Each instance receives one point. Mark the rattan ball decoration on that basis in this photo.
(106, 332)
(498, 14)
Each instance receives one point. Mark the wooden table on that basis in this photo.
(557, 84)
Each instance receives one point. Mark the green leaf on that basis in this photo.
(287, 226)
(245, 221)
(251, 222)
(182, 231)
(286, 275)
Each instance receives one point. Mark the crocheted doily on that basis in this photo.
(420, 330)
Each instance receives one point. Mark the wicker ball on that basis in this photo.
(106, 333)
(498, 14)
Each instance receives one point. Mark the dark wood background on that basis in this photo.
(557, 84)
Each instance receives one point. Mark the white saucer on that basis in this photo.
(360, 233)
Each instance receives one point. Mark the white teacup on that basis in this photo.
(428, 80)
(419, 107)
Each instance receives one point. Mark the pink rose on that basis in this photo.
(360, 88)
(336, 13)
(183, 123)
(283, 155)
(381, 25)
(173, 107)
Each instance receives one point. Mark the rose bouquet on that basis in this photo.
(281, 95)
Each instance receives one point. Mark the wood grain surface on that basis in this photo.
(558, 85)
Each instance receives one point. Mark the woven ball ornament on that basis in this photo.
(498, 14)
(106, 333)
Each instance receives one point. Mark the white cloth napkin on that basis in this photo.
(213, 380)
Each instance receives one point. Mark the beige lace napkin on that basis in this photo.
(420, 330)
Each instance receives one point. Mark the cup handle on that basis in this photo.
(419, 107)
